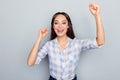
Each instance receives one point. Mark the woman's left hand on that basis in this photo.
(94, 9)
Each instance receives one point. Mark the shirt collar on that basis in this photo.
(69, 41)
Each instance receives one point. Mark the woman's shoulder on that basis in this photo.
(51, 41)
(76, 39)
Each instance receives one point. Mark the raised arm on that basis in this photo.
(34, 51)
(95, 10)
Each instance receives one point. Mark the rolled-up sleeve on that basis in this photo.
(89, 44)
(42, 52)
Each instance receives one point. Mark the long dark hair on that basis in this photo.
(70, 32)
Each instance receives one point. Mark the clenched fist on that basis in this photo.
(94, 9)
(43, 33)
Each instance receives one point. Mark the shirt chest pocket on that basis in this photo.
(56, 59)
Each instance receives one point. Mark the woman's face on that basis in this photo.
(60, 25)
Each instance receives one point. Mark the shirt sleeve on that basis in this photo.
(89, 44)
(42, 52)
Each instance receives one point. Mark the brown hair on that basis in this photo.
(70, 32)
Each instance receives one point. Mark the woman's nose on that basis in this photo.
(60, 25)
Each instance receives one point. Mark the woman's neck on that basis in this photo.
(62, 41)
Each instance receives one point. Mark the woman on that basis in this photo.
(63, 49)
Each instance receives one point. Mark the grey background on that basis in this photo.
(20, 21)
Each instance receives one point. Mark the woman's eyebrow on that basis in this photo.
(62, 20)
(56, 20)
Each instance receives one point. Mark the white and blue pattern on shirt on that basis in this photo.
(62, 64)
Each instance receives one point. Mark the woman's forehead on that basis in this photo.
(60, 17)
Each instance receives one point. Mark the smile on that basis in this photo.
(60, 31)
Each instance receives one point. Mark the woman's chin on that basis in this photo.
(60, 35)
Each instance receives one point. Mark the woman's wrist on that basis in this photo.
(97, 16)
(39, 38)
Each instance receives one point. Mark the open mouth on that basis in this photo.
(60, 31)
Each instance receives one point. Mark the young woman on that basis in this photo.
(63, 49)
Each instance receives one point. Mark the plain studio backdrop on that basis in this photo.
(20, 21)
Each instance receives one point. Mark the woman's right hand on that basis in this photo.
(34, 51)
(43, 33)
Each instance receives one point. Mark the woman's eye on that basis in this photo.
(64, 23)
(55, 23)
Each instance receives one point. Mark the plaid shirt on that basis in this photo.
(62, 64)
